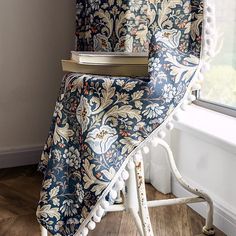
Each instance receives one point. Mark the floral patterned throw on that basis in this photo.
(99, 120)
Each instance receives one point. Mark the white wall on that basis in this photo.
(34, 36)
(207, 161)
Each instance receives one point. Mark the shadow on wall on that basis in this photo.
(35, 36)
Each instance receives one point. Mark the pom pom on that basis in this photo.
(208, 31)
(184, 106)
(85, 231)
(104, 204)
(91, 225)
(161, 134)
(209, 19)
(146, 149)
(100, 212)
(209, 42)
(155, 141)
(125, 174)
(113, 194)
(96, 218)
(210, 10)
(119, 185)
(210, 53)
(169, 125)
(176, 116)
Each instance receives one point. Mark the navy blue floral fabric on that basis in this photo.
(99, 120)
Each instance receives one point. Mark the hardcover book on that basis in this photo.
(109, 58)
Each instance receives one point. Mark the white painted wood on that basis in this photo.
(174, 201)
(208, 228)
(224, 218)
(131, 201)
(117, 207)
(142, 199)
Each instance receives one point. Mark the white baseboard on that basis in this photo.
(20, 156)
(224, 216)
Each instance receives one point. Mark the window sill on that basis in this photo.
(211, 126)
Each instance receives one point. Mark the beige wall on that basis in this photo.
(34, 36)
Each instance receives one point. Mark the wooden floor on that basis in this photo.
(19, 193)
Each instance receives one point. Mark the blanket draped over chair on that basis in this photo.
(99, 120)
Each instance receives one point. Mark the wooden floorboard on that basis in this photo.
(19, 193)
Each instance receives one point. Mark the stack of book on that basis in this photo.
(107, 63)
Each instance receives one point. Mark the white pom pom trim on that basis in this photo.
(125, 175)
(105, 204)
(97, 219)
(161, 134)
(91, 225)
(146, 149)
(170, 125)
(155, 141)
(85, 231)
(119, 185)
(100, 212)
(176, 116)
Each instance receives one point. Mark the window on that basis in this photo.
(219, 87)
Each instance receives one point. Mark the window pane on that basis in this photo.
(220, 82)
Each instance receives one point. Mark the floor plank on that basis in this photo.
(19, 193)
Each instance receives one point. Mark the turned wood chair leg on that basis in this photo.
(131, 198)
(142, 199)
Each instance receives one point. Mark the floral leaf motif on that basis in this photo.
(62, 132)
(182, 71)
(138, 104)
(48, 211)
(83, 112)
(137, 95)
(129, 144)
(107, 93)
(122, 97)
(107, 21)
(56, 201)
(165, 10)
(123, 111)
(90, 179)
(170, 37)
(53, 192)
(195, 26)
(129, 86)
(47, 183)
(119, 23)
(109, 174)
